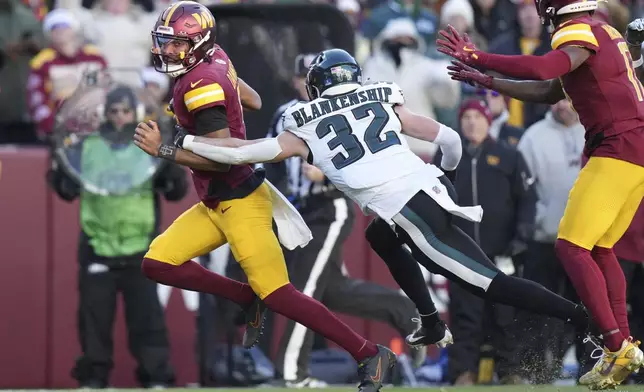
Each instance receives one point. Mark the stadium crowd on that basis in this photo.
(519, 162)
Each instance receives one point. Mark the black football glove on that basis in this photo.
(179, 136)
(635, 32)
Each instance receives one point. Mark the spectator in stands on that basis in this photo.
(38, 7)
(493, 17)
(155, 86)
(527, 37)
(398, 57)
(423, 17)
(116, 231)
(552, 149)
(500, 129)
(495, 176)
(121, 30)
(57, 69)
(21, 40)
(351, 9)
(458, 13)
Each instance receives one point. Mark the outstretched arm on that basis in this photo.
(236, 151)
(545, 91)
(425, 128)
(554, 64)
(540, 91)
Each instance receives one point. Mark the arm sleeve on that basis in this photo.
(263, 151)
(210, 120)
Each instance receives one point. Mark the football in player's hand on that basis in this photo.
(635, 32)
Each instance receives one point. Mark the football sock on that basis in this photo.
(430, 320)
(590, 284)
(403, 268)
(615, 284)
(192, 276)
(305, 310)
(528, 295)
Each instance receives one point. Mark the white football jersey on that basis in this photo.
(355, 139)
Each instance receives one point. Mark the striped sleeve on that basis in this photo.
(204, 97)
(578, 34)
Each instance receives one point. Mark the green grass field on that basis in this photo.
(526, 388)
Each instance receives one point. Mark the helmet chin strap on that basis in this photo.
(183, 69)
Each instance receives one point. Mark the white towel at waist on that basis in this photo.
(292, 231)
(437, 191)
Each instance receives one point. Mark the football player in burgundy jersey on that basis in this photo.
(590, 64)
(236, 204)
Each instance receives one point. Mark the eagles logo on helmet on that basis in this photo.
(183, 37)
(549, 9)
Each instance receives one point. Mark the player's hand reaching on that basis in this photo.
(457, 46)
(148, 137)
(472, 76)
(635, 32)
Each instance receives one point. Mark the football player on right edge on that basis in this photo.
(590, 64)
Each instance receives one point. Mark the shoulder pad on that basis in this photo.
(202, 90)
(288, 122)
(575, 33)
(44, 56)
(396, 97)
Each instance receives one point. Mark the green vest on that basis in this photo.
(117, 225)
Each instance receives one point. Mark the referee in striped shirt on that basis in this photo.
(317, 269)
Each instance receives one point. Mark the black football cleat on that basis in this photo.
(254, 323)
(439, 335)
(375, 370)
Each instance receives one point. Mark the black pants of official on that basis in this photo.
(480, 327)
(316, 270)
(99, 283)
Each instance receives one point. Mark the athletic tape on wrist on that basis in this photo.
(167, 151)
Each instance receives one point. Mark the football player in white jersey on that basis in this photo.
(352, 132)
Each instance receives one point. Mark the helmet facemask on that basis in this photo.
(178, 63)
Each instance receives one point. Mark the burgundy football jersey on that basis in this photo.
(208, 85)
(604, 90)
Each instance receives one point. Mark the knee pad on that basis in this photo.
(381, 236)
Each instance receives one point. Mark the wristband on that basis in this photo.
(638, 63)
(168, 151)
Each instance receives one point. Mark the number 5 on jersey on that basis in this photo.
(344, 136)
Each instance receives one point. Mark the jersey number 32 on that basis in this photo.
(344, 134)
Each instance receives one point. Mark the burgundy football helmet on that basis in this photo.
(183, 37)
(550, 9)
